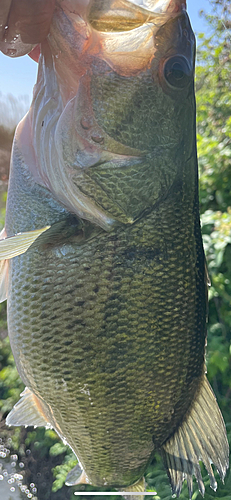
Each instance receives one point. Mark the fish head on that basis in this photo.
(116, 81)
(174, 62)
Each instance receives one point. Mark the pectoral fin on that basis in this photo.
(29, 411)
(202, 436)
(3, 273)
(19, 243)
(3, 280)
(11, 247)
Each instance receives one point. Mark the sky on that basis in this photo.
(17, 76)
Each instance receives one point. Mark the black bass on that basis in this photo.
(103, 264)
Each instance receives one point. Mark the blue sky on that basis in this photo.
(18, 75)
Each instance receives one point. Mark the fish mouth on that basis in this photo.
(125, 15)
(129, 27)
(89, 168)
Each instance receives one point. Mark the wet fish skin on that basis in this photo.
(108, 327)
(104, 281)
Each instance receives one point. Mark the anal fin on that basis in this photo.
(79, 476)
(29, 411)
(76, 476)
(202, 436)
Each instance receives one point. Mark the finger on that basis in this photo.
(31, 19)
(4, 13)
(35, 53)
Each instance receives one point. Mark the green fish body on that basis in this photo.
(107, 307)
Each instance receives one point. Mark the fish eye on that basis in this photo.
(177, 72)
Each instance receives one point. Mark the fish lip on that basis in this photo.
(159, 12)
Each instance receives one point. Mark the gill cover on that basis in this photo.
(80, 147)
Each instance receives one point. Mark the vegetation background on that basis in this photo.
(46, 459)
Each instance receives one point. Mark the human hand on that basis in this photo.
(24, 24)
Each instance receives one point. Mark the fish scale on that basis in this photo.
(104, 267)
(110, 332)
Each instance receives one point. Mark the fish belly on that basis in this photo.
(109, 332)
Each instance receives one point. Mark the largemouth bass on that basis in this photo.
(104, 265)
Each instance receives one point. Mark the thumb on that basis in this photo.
(30, 19)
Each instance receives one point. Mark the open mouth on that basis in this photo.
(126, 15)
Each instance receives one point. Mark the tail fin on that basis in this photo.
(202, 436)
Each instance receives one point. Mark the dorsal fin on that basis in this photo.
(29, 411)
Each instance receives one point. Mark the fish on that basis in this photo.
(102, 259)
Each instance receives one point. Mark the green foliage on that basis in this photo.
(213, 83)
(60, 471)
(45, 442)
(213, 86)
